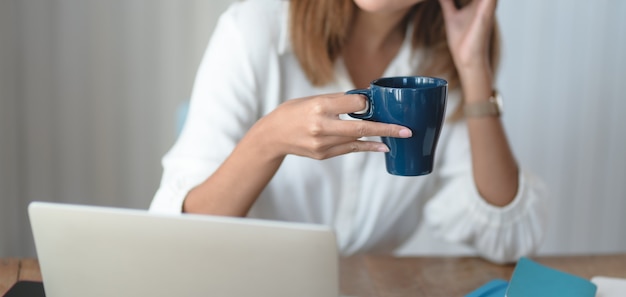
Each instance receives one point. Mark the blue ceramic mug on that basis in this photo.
(416, 102)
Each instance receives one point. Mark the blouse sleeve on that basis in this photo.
(224, 105)
(458, 213)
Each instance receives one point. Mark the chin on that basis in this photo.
(385, 5)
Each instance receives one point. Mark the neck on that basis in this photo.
(377, 31)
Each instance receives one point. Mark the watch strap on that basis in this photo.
(491, 107)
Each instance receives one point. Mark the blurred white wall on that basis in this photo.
(89, 90)
(9, 219)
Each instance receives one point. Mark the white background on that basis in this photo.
(89, 91)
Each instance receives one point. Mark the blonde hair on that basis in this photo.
(319, 29)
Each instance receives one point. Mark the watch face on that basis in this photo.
(498, 100)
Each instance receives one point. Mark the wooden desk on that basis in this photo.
(366, 276)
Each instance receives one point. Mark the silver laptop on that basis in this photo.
(100, 251)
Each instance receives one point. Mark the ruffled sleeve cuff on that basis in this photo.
(500, 234)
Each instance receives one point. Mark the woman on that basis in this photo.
(261, 141)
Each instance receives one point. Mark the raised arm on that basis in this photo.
(468, 30)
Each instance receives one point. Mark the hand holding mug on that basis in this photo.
(311, 127)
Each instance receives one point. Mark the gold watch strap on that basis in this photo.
(491, 107)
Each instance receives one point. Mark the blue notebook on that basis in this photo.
(533, 279)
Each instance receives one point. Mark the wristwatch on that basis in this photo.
(490, 108)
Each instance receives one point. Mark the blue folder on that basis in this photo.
(494, 288)
(531, 279)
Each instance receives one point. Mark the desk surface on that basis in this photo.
(366, 276)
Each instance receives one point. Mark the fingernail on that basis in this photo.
(406, 133)
(383, 149)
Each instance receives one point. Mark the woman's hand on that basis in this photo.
(468, 30)
(311, 127)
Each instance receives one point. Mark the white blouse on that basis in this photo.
(249, 69)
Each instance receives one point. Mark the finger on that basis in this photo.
(485, 14)
(349, 103)
(359, 129)
(447, 7)
(335, 104)
(488, 7)
(334, 95)
(357, 146)
(319, 145)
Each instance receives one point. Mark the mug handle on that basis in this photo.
(367, 112)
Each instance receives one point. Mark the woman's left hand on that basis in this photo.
(468, 30)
